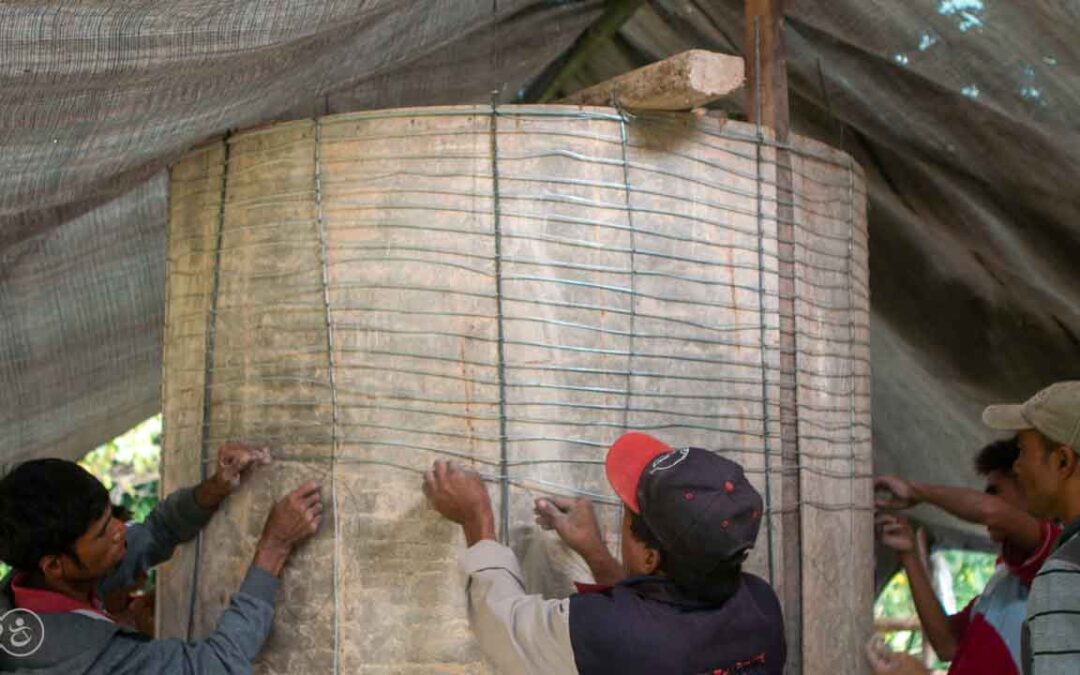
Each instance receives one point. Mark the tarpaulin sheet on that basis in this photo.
(962, 112)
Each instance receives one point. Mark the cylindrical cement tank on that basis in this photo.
(513, 288)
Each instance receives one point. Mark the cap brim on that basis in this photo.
(1006, 418)
(627, 459)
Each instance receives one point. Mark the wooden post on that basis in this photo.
(766, 66)
(767, 106)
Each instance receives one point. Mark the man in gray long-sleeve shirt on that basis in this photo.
(66, 550)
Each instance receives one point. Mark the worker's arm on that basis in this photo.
(575, 522)
(895, 533)
(230, 649)
(519, 633)
(1018, 527)
(245, 624)
(180, 516)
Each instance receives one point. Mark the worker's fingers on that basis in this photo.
(305, 499)
(883, 519)
(564, 504)
(312, 497)
(314, 511)
(881, 658)
(262, 456)
(547, 514)
(306, 489)
(440, 471)
(548, 508)
(879, 663)
(896, 531)
(429, 482)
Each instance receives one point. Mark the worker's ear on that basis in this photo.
(1066, 459)
(52, 566)
(651, 560)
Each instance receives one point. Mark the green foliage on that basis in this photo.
(970, 571)
(128, 467)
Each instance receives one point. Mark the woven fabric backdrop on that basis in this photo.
(963, 112)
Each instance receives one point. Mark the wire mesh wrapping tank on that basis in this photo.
(513, 288)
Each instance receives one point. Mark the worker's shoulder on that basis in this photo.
(1057, 584)
(1067, 554)
(761, 590)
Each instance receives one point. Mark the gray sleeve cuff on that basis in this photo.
(260, 584)
(188, 509)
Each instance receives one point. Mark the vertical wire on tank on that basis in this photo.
(504, 478)
(623, 138)
(761, 301)
(334, 433)
(851, 362)
(633, 256)
(208, 370)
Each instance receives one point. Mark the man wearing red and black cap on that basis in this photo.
(678, 603)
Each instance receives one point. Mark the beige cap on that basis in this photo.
(1055, 411)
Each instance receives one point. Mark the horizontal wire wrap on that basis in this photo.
(511, 288)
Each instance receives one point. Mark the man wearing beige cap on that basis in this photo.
(1048, 469)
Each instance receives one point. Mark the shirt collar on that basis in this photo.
(44, 601)
(661, 589)
(1068, 532)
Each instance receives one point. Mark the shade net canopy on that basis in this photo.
(961, 112)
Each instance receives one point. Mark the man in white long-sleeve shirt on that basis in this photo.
(678, 603)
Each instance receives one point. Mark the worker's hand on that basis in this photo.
(893, 493)
(884, 661)
(573, 519)
(292, 520)
(459, 495)
(234, 461)
(896, 533)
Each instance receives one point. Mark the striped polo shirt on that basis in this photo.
(1051, 635)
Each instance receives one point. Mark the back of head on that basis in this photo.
(714, 585)
(998, 456)
(45, 506)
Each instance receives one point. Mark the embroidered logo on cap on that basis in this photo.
(668, 460)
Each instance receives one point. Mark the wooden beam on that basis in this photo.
(687, 80)
(767, 106)
(895, 625)
(766, 66)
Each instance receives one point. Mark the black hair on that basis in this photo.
(998, 456)
(122, 513)
(45, 506)
(714, 586)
